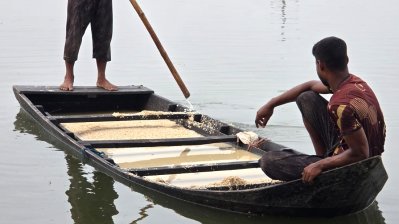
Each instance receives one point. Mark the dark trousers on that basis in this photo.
(81, 13)
(287, 164)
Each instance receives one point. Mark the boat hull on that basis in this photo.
(338, 191)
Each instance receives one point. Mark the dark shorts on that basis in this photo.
(287, 164)
(81, 13)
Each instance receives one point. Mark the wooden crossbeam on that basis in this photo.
(40, 108)
(159, 142)
(95, 118)
(163, 170)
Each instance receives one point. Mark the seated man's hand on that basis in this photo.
(263, 115)
(310, 172)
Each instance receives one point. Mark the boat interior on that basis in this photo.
(154, 138)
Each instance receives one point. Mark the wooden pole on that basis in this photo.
(164, 55)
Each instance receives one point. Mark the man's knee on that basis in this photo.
(311, 104)
(306, 98)
(269, 163)
(285, 165)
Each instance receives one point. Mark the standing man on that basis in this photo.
(81, 13)
(347, 129)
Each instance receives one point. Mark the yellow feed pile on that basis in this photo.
(233, 182)
(125, 130)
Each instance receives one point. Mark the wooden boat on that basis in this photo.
(144, 140)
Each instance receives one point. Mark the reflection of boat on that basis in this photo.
(338, 191)
(370, 215)
(82, 194)
(91, 199)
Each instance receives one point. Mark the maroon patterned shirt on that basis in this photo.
(354, 105)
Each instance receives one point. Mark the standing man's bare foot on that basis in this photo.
(67, 85)
(105, 84)
(102, 82)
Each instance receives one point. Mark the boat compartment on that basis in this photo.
(124, 130)
(230, 179)
(146, 157)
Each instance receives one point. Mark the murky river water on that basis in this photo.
(233, 56)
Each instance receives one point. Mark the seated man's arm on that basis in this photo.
(357, 151)
(266, 111)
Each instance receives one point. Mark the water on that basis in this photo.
(233, 56)
(190, 105)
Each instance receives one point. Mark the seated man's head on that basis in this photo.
(331, 56)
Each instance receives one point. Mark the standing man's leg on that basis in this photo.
(101, 28)
(67, 85)
(102, 82)
(78, 18)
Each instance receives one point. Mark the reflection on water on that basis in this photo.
(371, 215)
(281, 8)
(143, 213)
(91, 199)
(283, 19)
(92, 196)
(91, 202)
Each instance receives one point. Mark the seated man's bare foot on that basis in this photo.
(105, 84)
(67, 85)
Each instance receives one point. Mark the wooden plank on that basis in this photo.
(159, 142)
(82, 90)
(40, 108)
(96, 118)
(67, 132)
(194, 168)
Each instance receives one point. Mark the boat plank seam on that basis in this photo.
(159, 142)
(95, 118)
(163, 170)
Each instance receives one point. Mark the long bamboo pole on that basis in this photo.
(164, 55)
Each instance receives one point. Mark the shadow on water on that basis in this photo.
(92, 198)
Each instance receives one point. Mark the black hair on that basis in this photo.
(332, 51)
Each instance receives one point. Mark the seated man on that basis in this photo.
(348, 128)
